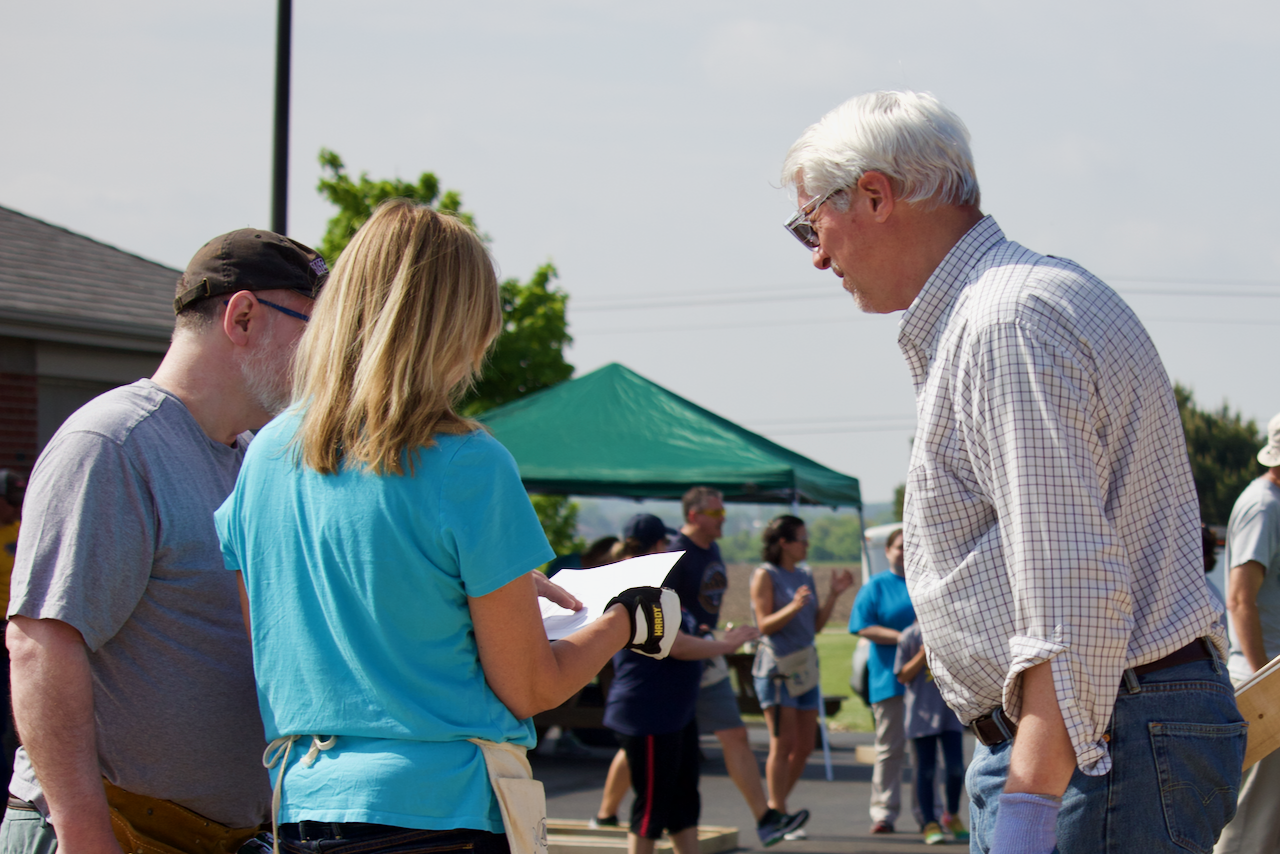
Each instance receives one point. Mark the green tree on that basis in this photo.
(899, 498)
(529, 354)
(1223, 449)
(833, 537)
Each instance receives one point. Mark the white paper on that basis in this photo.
(595, 587)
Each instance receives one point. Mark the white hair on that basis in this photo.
(908, 136)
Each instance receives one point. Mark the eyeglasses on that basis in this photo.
(718, 513)
(305, 318)
(799, 224)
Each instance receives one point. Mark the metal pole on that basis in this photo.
(280, 149)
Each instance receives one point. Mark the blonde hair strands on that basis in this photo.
(398, 335)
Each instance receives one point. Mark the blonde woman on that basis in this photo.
(385, 545)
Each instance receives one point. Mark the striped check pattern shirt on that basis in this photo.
(1050, 512)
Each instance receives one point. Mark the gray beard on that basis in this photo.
(266, 380)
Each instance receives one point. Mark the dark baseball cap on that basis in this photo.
(13, 487)
(251, 259)
(647, 529)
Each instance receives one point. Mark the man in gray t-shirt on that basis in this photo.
(1253, 611)
(130, 660)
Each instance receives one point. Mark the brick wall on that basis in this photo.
(736, 605)
(17, 421)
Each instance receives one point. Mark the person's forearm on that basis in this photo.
(579, 657)
(53, 708)
(777, 620)
(1248, 625)
(880, 634)
(691, 648)
(912, 668)
(1043, 759)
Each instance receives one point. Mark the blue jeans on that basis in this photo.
(26, 832)
(926, 750)
(1177, 744)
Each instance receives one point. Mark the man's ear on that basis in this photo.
(243, 312)
(880, 194)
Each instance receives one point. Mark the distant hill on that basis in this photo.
(834, 533)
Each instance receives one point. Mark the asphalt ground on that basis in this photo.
(839, 824)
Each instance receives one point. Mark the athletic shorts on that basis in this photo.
(664, 776)
(717, 708)
(772, 692)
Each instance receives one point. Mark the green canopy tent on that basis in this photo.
(613, 432)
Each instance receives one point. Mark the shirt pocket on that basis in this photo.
(949, 519)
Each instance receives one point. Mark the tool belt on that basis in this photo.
(996, 727)
(144, 825)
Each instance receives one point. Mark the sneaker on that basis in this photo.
(796, 835)
(774, 826)
(882, 826)
(956, 827)
(933, 834)
(596, 822)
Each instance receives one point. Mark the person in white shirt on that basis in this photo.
(1051, 522)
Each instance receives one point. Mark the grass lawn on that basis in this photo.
(835, 651)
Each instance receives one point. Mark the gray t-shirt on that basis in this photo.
(1253, 533)
(118, 541)
(924, 711)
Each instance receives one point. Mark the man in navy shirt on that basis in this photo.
(700, 579)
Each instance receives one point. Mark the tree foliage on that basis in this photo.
(1223, 449)
(832, 537)
(356, 200)
(559, 518)
(529, 354)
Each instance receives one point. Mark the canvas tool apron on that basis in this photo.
(520, 797)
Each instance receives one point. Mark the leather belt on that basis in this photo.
(16, 803)
(996, 727)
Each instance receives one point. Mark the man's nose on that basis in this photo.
(821, 259)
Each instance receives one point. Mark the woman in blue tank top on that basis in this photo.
(785, 672)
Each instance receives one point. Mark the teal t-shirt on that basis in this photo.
(883, 601)
(358, 589)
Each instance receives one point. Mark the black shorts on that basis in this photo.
(664, 775)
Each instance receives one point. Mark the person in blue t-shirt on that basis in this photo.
(385, 547)
(881, 611)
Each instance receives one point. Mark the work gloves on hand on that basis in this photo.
(655, 619)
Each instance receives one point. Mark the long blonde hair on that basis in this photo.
(398, 335)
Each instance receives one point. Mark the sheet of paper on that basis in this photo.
(595, 587)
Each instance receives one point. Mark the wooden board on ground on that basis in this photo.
(570, 836)
(1259, 702)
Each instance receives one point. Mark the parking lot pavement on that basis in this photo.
(839, 823)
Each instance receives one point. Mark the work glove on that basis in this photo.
(655, 619)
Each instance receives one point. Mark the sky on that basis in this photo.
(638, 147)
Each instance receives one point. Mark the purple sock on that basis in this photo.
(1026, 824)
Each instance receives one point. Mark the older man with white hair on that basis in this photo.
(1052, 527)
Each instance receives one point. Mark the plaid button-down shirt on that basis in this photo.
(1050, 513)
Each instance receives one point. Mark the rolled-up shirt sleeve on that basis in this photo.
(1028, 403)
